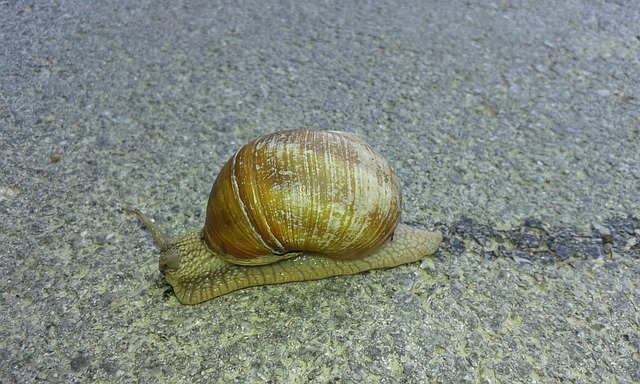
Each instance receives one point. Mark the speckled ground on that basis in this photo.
(514, 127)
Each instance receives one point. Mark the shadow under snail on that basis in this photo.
(293, 206)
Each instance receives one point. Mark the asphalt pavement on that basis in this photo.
(514, 127)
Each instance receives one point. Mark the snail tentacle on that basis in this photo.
(154, 230)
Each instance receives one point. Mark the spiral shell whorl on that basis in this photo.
(320, 192)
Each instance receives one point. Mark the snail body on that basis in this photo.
(293, 206)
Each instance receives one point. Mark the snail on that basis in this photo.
(293, 206)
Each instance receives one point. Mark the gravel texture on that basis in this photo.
(514, 127)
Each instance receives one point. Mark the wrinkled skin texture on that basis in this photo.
(197, 274)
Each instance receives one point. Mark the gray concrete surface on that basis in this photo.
(514, 127)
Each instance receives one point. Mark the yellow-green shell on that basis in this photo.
(322, 192)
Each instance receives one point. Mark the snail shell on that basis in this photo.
(327, 193)
(291, 206)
